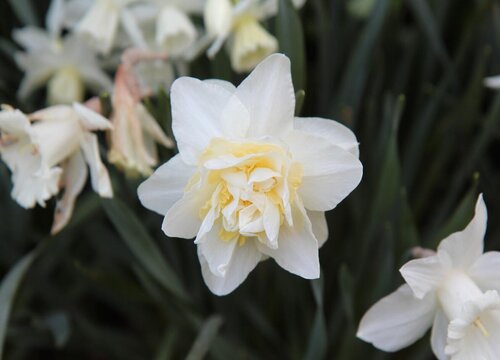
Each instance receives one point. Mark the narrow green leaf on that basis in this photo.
(166, 347)
(429, 26)
(8, 290)
(205, 338)
(318, 336)
(24, 11)
(142, 246)
(347, 293)
(291, 40)
(353, 83)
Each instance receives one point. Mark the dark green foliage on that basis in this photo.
(408, 80)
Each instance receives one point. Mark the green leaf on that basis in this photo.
(428, 23)
(318, 336)
(205, 338)
(291, 40)
(8, 290)
(346, 285)
(166, 346)
(353, 83)
(142, 246)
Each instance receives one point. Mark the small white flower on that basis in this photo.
(448, 291)
(64, 65)
(103, 20)
(47, 150)
(174, 30)
(248, 41)
(250, 180)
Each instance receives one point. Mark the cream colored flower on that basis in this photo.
(239, 24)
(136, 132)
(454, 291)
(102, 22)
(250, 180)
(65, 66)
(47, 151)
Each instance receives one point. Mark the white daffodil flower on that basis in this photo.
(64, 65)
(250, 180)
(136, 132)
(454, 291)
(492, 82)
(240, 24)
(47, 150)
(103, 20)
(175, 32)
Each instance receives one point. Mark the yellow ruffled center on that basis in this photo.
(250, 187)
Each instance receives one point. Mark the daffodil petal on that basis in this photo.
(98, 173)
(330, 172)
(319, 225)
(217, 252)
(397, 320)
(90, 119)
(166, 186)
(423, 275)
(486, 271)
(466, 246)
(196, 115)
(331, 130)
(183, 219)
(244, 259)
(297, 250)
(268, 95)
(439, 335)
(74, 178)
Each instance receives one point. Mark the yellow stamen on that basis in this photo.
(481, 327)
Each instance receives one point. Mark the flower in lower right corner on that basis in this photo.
(454, 291)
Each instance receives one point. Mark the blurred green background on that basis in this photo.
(406, 76)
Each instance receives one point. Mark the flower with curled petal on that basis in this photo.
(48, 150)
(239, 23)
(454, 291)
(250, 180)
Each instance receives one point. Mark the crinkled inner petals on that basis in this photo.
(476, 334)
(253, 187)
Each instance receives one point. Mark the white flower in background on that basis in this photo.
(105, 18)
(175, 32)
(454, 291)
(250, 180)
(48, 150)
(135, 134)
(239, 23)
(492, 82)
(65, 66)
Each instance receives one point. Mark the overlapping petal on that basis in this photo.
(397, 320)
